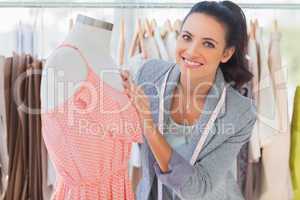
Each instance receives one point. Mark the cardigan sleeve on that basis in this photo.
(195, 182)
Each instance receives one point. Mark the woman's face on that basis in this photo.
(201, 46)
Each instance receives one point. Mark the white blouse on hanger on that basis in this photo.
(254, 146)
(276, 181)
(161, 45)
(268, 120)
(151, 48)
(170, 43)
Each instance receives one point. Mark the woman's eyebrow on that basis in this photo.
(188, 33)
(205, 38)
(208, 38)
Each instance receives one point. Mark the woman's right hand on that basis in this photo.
(139, 99)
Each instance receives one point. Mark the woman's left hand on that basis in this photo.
(138, 98)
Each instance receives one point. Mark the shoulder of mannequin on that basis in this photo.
(152, 71)
(64, 59)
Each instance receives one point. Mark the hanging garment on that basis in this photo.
(135, 62)
(295, 146)
(254, 146)
(246, 90)
(17, 178)
(267, 111)
(170, 43)
(89, 141)
(275, 155)
(51, 174)
(279, 81)
(22, 102)
(48, 171)
(151, 48)
(47, 188)
(252, 185)
(3, 134)
(160, 43)
(242, 165)
(32, 97)
(25, 39)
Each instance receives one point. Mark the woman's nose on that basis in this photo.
(194, 51)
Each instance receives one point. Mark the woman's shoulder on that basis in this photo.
(152, 70)
(242, 108)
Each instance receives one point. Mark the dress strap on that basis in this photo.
(76, 49)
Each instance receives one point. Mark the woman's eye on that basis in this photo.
(186, 37)
(209, 45)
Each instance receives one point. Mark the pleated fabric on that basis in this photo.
(22, 75)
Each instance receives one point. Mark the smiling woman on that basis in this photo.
(215, 35)
(189, 154)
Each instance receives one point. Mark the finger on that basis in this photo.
(133, 88)
(129, 87)
(130, 79)
(139, 90)
(127, 92)
(125, 74)
(124, 77)
(126, 83)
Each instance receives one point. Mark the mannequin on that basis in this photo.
(65, 68)
(89, 146)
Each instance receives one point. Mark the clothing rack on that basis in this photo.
(164, 5)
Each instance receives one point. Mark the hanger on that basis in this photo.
(122, 41)
(148, 28)
(167, 27)
(141, 40)
(71, 22)
(135, 39)
(275, 25)
(256, 23)
(177, 25)
(153, 24)
(138, 41)
(134, 43)
(252, 30)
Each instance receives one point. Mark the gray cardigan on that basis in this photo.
(212, 177)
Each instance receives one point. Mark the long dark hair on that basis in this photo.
(235, 70)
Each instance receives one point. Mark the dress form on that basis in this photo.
(65, 69)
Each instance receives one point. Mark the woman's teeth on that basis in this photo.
(192, 63)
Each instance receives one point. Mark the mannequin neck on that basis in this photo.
(90, 35)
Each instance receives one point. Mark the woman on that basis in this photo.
(195, 121)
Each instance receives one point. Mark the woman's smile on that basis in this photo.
(188, 63)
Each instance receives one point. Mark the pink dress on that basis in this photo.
(89, 139)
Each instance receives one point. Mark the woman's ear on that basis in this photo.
(227, 54)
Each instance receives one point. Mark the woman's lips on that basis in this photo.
(191, 64)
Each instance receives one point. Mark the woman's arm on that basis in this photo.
(158, 145)
(160, 148)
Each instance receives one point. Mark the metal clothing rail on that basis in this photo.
(164, 5)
